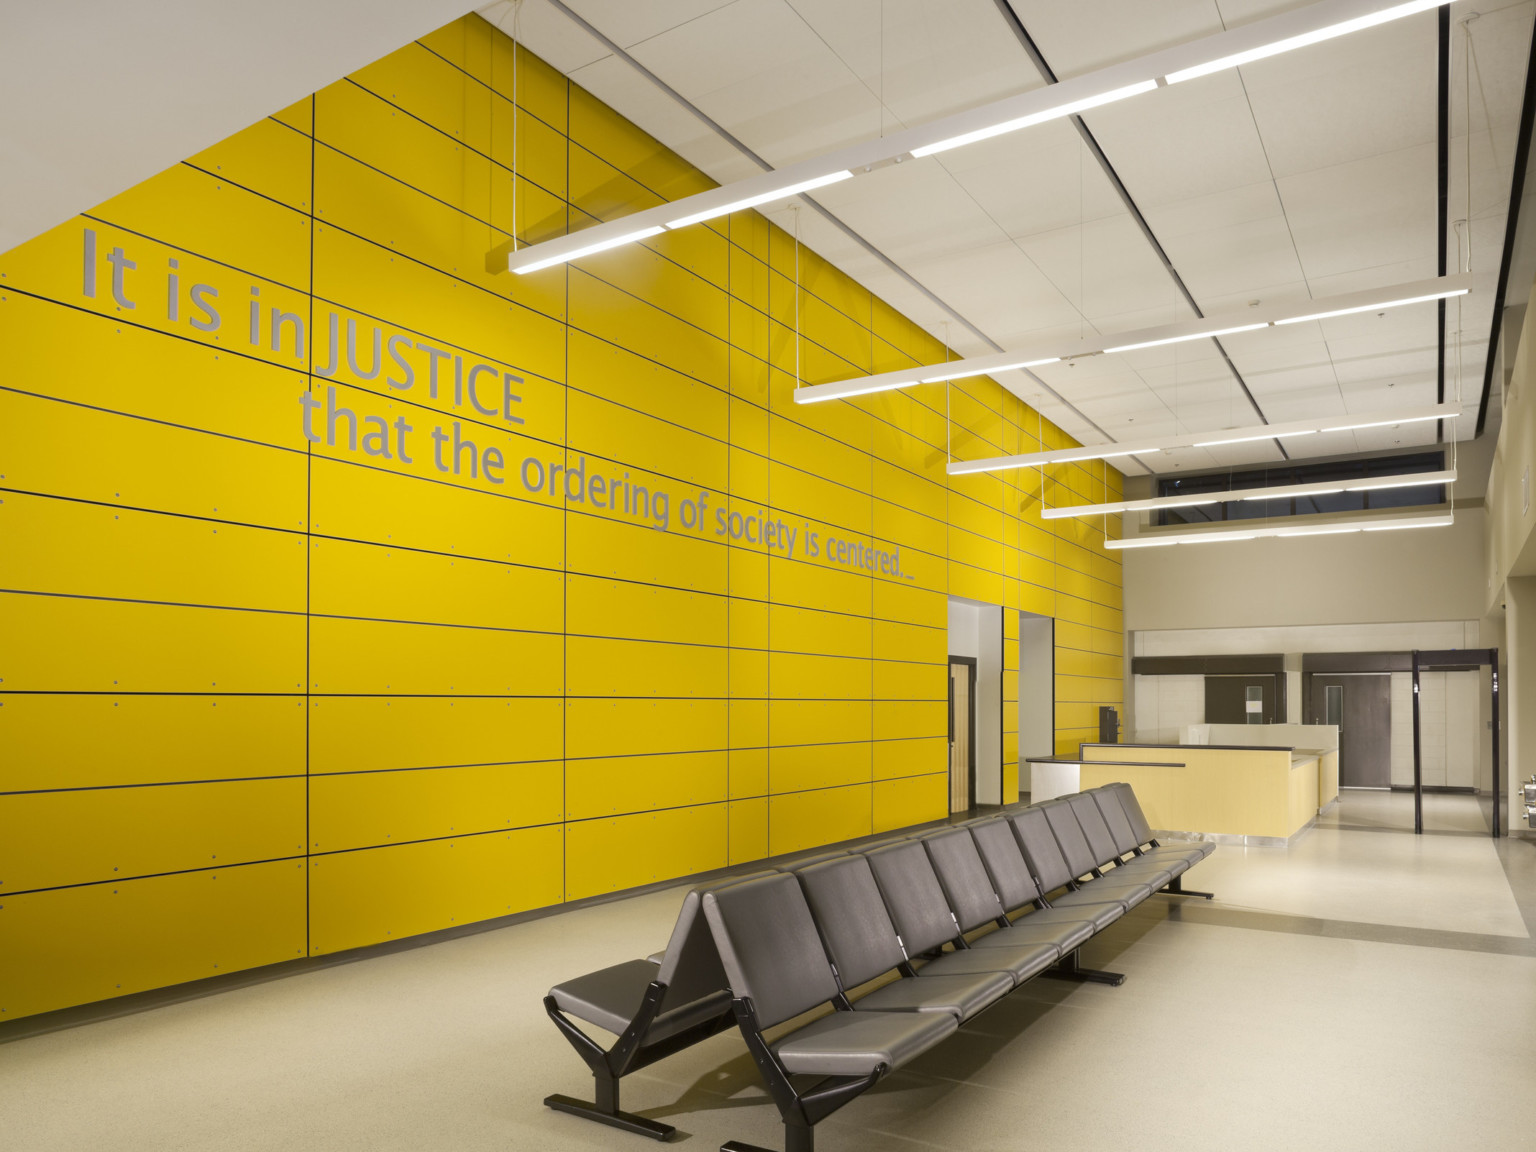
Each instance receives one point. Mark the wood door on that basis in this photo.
(1361, 706)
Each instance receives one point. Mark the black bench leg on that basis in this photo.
(606, 1111)
(1068, 968)
(1176, 888)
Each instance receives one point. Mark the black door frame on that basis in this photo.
(970, 745)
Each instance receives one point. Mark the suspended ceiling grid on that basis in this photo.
(1305, 175)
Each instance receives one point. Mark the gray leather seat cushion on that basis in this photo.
(962, 996)
(1154, 872)
(1099, 916)
(855, 1043)
(1063, 935)
(1020, 961)
(1128, 894)
(610, 997)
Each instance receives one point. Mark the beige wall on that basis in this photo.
(1363, 577)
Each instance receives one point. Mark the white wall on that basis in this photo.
(1037, 691)
(976, 630)
(1164, 705)
(1449, 728)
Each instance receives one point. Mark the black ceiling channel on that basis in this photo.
(1032, 50)
(1516, 191)
(1443, 114)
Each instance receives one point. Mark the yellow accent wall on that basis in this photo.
(483, 641)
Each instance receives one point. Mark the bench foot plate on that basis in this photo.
(1086, 975)
(627, 1121)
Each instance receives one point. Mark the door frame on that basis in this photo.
(949, 764)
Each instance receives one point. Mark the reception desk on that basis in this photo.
(1241, 794)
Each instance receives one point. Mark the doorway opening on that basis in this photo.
(962, 733)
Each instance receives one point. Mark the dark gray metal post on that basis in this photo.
(1498, 771)
(1418, 778)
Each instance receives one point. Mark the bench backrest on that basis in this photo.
(857, 930)
(769, 947)
(1039, 845)
(999, 848)
(690, 967)
(913, 895)
(1069, 835)
(1091, 820)
(1108, 800)
(1133, 813)
(964, 878)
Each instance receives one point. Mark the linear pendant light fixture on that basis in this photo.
(1376, 419)
(1325, 528)
(1278, 492)
(1371, 300)
(1230, 49)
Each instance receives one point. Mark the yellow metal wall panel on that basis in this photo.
(456, 619)
(362, 503)
(80, 836)
(269, 158)
(818, 721)
(64, 546)
(626, 851)
(799, 820)
(817, 766)
(907, 719)
(795, 676)
(379, 583)
(748, 769)
(623, 377)
(748, 830)
(75, 945)
(623, 784)
(90, 740)
(372, 656)
(636, 727)
(403, 293)
(899, 680)
(72, 354)
(66, 644)
(613, 432)
(384, 733)
(377, 894)
(218, 220)
(610, 314)
(617, 608)
(632, 551)
(910, 757)
(66, 450)
(602, 667)
(913, 800)
(364, 809)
